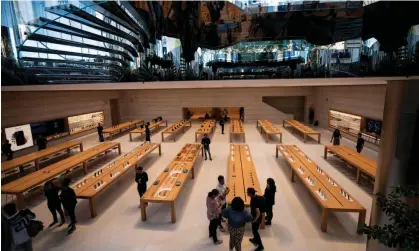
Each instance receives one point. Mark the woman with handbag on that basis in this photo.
(22, 226)
(213, 213)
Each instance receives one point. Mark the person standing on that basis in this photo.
(336, 137)
(269, 195)
(222, 126)
(54, 202)
(18, 222)
(41, 142)
(141, 178)
(242, 114)
(6, 148)
(311, 115)
(237, 218)
(100, 132)
(213, 213)
(147, 132)
(69, 200)
(207, 116)
(224, 190)
(206, 143)
(359, 143)
(257, 206)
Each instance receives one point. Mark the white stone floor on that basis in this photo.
(296, 223)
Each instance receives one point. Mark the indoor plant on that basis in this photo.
(401, 208)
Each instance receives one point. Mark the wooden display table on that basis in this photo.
(236, 127)
(151, 127)
(242, 175)
(269, 129)
(102, 179)
(362, 163)
(26, 183)
(305, 130)
(207, 127)
(322, 187)
(118, 129)
(37, 156)
(170, 182)
(175, 128)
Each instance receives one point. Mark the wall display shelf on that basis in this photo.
(353, 124)
(84, 122)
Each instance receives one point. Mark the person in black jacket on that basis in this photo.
(54, 202)
(6, 148)
(241, 113)
(257, 208)
(207, 116)
(41, 141)
(206, 143)
(359, 143)
(141, 178)
(269, 195)
(222, 126)
(336, 137)
(100, 132)
(69, 200)
(147, 132)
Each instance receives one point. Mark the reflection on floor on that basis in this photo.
(296, 223)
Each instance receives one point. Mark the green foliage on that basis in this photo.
(403, 228)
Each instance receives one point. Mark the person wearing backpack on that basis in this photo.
(222, 126)
(20, 223)
(257, 208)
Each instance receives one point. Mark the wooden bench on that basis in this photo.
(166, 188)
(151, 127)
(236, 127)
(30, 181)
(175, 128)
(36, 157)
(269, 129)
(118, 129)
(242, 175)
(305, 130)
(90, 187)
(207, 127)
(362, 163)
(330, 196)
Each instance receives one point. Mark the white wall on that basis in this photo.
(148, 104)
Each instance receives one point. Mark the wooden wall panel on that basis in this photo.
(148, 104)
(366, 101)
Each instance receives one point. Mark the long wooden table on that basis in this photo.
(269, 129)
(305, 130)
(208, 126)
(115, 130)
(236, 128)
(167, 187)
(175, 128)
(90, 187)
(330, 196)
(30, 181)
(151, 127)
(242, 175)
(37, 156)
(361, 162)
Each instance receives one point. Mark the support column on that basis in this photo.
(397, 162)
